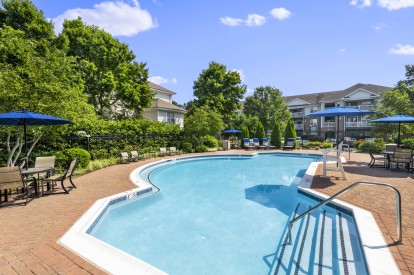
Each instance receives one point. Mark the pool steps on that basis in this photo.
(321, 245)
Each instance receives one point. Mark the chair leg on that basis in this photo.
(63, 187)
(71, 182)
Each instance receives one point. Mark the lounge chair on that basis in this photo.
(266, 145)
(124, 157)
(174, 151)
(134, 156)
(246, 144)
(11, 178)
(68, 173)
(290, 144)
(256, 143)
(163, 151)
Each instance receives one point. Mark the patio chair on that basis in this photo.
(44, 162)
(174, 151)
(163, 151)
(124, 157)
(246, 144)
(401, 156)
(11, 178)
(67, 174)
(134, 156)
(290, 143)
(266, 144)
(381, 160)
(256, 143)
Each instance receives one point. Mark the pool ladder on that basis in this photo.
(398, 207)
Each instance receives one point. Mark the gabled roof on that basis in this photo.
(297, 101)
(160, 104)
(158, 88)
(317, 98)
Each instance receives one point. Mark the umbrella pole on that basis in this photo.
(337, 132)
(25, 144)
(399, 134)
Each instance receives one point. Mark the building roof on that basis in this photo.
(158, 88)
(316, 98)
(164, 105)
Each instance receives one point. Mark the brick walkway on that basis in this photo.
(29, 234)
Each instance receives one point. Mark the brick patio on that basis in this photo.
(29, 234)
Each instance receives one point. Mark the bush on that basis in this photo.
(312, 145)
(201, 149)
(376, 146)
(357, 143)
(82, 154)
(326, 145)
(210, 141)
(186, 147)
(408, 143)
(99, 164)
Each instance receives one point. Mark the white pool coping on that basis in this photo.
(378, 257)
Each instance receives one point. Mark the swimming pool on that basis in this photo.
(231, 222)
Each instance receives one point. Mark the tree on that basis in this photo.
(203, 121)
(46, 82)
(267, 104)
(260, 132)
(114, 82)
(290, 132)
(276, 137)
(245, 133)
(219, 89)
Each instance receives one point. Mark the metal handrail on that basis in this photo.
(398, 207)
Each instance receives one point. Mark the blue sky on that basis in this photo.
(299, 47)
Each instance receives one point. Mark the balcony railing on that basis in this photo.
(329, 124)
(298, 126)
(357, 124)
(297, 114)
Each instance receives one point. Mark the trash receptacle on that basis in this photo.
(226, 144)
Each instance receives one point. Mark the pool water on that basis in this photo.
(219, 215)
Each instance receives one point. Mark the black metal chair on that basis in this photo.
(376, 158)
(67, 174)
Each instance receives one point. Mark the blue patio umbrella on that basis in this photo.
(395, 119)
(25, 118)
(232, 131)
(340, 111)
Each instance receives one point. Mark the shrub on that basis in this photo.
(326, 145)
(312, 145)
(99, 164)
(201, 149)
(210, 141)
(186, 147)
(408, 143)
(99, 154)
(82, 154)
(357, 143)
(376, 146)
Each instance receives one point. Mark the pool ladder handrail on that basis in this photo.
(398, 207)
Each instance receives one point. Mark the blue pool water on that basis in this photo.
(224, 215)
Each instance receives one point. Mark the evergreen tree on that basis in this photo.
(290, 132)
(245, 134)
(260, 132)
(276, 138)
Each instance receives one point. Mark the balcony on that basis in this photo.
(357, 124)
(297, 114)
(298, 126)
(329, 124)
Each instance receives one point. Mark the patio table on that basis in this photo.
(38, 171)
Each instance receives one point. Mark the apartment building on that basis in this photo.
(363, 96)
(162, 109)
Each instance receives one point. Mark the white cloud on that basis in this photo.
(241, 73)
(388, 4)
(255, 20)
(395, 4)
(378, 27)
(116, 17)
(252, 20)
(280, 13)
(159, 80)
(232, 22)
(342, 50)
(403, 50)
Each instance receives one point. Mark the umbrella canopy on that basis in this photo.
(24, 118)
(395, 119)
(232, 131)
(340, 111)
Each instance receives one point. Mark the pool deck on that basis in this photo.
(29, 234)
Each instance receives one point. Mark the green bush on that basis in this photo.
(82, 154)
(210, 141)
(99, 154)
(376, 146)
(326, 145)
(201, 149)
(312, 145)
(408, 143)
(186, 147)
(99, 164)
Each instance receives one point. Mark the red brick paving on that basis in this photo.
(29, 234)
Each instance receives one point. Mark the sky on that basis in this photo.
(296, 46)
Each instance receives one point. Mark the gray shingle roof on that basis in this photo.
(164, 105)
(315, 99)
(156, 87)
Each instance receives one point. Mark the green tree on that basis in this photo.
(219, 89)
(276, 137)
(114, 82)
(260, 132)
(202, 122)
(290, 132)
(267, 104)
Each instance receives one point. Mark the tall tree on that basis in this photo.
(276, 137)
(290, 132)
(114, 82)
(203, 121)
(219, 89)
(260, 131)
(267, 104)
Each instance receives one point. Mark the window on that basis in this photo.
(314, 122)
(170, 118)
